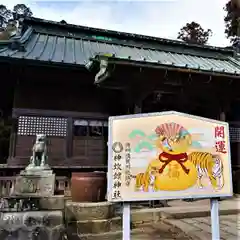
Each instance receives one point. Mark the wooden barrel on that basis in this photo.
(88, 186)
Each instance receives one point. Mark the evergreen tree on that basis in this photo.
(7, 15)
(194, 33)
(232, 20)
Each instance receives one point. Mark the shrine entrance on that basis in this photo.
(146, 89)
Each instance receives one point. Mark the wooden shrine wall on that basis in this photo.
(235, 143)
(73, 116)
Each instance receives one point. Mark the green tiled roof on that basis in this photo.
(236, 60)
(46, 45)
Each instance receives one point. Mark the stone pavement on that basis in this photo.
(181, 209)
(200, 228)
(159, 231)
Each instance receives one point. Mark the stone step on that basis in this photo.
(145, 232)
(55, 202)
(101, 236)
(104, 211)
(136, 234)
(19, 204)
(89, 211)
(99, 226)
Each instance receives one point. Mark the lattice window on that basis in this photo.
(234, 134)
(93, 128)
(50, 126)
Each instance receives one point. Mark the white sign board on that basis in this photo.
(167, 155)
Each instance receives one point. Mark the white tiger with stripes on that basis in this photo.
(208, 165)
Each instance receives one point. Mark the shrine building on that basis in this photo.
(64, 81)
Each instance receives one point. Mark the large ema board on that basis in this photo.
(167, 155)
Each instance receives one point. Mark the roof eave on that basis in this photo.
(34, 62)
(157, 65)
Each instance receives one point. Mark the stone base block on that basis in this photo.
(35, 185)
(99, 226)
(40, 233)
(56, 202)
(22, 204)
(89, 211)
(47, 225)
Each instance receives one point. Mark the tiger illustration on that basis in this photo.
(147, 181)
(143, 182)
(208, 165)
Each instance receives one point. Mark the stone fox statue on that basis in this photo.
(39, 151)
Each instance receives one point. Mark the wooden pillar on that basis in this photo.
(127, 101)
(225, 103)
(13, 135)
(133, 106)
(222, 116)
(137, 108)
(13, 139)
(69, 138)
(225, 108)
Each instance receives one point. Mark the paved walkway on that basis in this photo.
(191, 220)
(200, 228)
(159, 231)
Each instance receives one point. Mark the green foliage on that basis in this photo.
(194, 33)
(7, 15)
(23, 10)
(232, 20)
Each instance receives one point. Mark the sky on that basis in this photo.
(159, 18)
